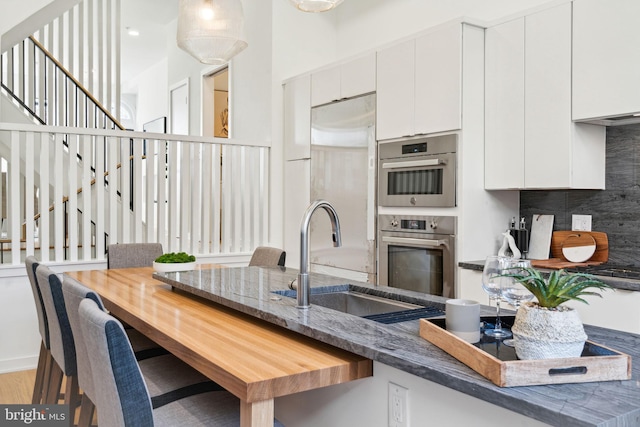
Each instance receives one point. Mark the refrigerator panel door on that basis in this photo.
(343, 153)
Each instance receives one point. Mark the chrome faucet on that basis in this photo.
(304, 288)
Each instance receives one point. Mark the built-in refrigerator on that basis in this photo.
(343, 172)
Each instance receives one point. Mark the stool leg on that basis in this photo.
(72, 393)
(55, 382)
(39, 386)
(86, 412)
(48, 364)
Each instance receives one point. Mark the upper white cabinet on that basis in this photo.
(439, 80)
(346, 80)
(395, 95)
(504, 106)
(606, 58)
(531, 142)
(419, 84)
(297, 118)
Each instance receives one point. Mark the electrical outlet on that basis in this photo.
(581, 222)
(398, 406)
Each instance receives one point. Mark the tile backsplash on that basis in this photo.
(615, 211)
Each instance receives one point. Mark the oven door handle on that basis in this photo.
(413, 163)
(420, 242)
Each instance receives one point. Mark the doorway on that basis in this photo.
(179, 103)
(215, 104)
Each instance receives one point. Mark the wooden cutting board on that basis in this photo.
(558, 261)
(579, 247)
(602, 244)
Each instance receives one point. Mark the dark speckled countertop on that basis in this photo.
(250, 290)
(614, 282)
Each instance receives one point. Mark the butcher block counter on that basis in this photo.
(250, 290)
(253, 359)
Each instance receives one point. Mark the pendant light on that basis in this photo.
(211, 30)
(315, 5)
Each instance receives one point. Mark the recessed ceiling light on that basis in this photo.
(133, 32)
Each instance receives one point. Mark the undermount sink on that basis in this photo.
(346, 299)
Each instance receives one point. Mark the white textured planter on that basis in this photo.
(540, 333)
(165, 267)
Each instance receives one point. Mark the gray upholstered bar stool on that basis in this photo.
(128, 255)
(121, 390)
(61, 340)
(167, 377)
(266, 256)
(45, 359)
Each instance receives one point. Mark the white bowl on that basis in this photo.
(165, 267)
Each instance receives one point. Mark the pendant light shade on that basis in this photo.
(211, 30)
(315, 5)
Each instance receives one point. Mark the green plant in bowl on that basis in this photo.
(545, 329)
(175, 257)
(174, 261)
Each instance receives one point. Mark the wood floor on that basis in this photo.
(17, 387)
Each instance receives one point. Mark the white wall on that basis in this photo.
(365, 24)
(15, 11)
(151, 102)
(19, 338)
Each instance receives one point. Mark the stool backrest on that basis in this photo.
(122, 397)
(74, 293)
(63, 348)
(128, 255)
(267, 257)
(31, 264)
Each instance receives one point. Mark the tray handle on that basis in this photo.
(573, 370)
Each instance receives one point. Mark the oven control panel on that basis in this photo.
(416, 223)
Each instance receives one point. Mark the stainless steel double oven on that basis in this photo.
(417, 253)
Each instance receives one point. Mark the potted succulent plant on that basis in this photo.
(174, 261)
(545, 328)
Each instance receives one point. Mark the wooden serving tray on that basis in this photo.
(499, 363)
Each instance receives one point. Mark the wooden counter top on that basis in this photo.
(254, 360)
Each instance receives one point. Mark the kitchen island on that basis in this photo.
(398, 347)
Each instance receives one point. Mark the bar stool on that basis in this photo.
(61, 340)
(121, 394)
(45, 359)
(167, 377)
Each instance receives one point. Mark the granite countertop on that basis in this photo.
(614, 282)
(250, 290)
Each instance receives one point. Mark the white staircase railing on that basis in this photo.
(204, 196)
(67, 73)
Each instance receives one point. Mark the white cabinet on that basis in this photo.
(395, 93)
(346, 80)
(297, 118)
(504, 106)
(419, 84)
(606, 58)
(469, 286)
(438, 80)
(531, 142)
